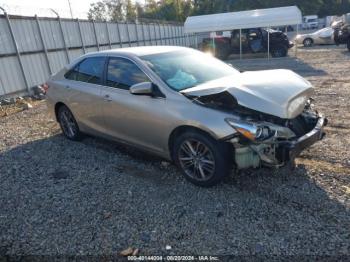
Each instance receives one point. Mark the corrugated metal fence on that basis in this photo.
(32, 48)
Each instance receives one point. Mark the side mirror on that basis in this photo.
(144, 88)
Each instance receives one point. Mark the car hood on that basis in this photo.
(281, 93)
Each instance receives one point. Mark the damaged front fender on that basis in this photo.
(222, 100)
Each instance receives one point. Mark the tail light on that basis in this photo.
(221, 40)
(45, 87)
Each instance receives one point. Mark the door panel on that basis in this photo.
(83, 84)
(85, 102)
(327, 40)
(133, 118)
(326, 36)
(255, 40)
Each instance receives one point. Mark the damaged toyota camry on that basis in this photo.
(188, 107)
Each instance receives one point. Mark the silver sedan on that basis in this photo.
(187, 107)
(323, 36)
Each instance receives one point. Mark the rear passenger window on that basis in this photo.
(89, 70)
(123, 73)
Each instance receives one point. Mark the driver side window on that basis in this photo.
(89, 70)
(122, 73)
(254, 34)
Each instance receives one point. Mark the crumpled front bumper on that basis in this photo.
(289, 150)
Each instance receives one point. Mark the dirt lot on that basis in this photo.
(95, 197)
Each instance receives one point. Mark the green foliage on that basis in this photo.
(170, 10)
(178, 10)
(113, 10)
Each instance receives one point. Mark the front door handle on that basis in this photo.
(108, 98)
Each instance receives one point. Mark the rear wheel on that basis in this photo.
(348, 44)
(68, 123)
(202, 160)
(279, 51)
(308, 42)
(223, 54)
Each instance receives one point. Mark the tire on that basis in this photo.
(206, 162)
(279, 51)
(348, 44)
(223, 55)
(308, 42)
(68, 124)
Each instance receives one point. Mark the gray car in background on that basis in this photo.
(324, 36)
(187, 107)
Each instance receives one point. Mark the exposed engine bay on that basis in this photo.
(262, 139)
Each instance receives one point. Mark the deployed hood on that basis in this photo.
(281, 93)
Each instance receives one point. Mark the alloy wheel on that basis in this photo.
(308, 42)
(68, 124)
(197, 160)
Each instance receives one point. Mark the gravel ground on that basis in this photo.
(95, 197)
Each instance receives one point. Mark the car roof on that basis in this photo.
(129, 52)
(142, 50)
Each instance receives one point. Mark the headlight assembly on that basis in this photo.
(253, 132)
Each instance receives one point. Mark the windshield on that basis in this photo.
(326, 30)
(187, 68)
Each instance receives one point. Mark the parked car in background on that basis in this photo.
(310, 22)
(188, 107)
(324, 36)
(253, 41)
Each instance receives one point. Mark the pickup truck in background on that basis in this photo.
(310, 22)
(254, 40)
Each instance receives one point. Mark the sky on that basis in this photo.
(41, 7)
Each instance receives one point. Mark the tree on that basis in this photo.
(179, 10)
(334, 7)
(170, 10)
(130, 12)
(113, 10)
(98, 11)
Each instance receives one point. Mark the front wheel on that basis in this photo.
(279, 51)
(202, 160)
(223, 54)
(308, 42)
